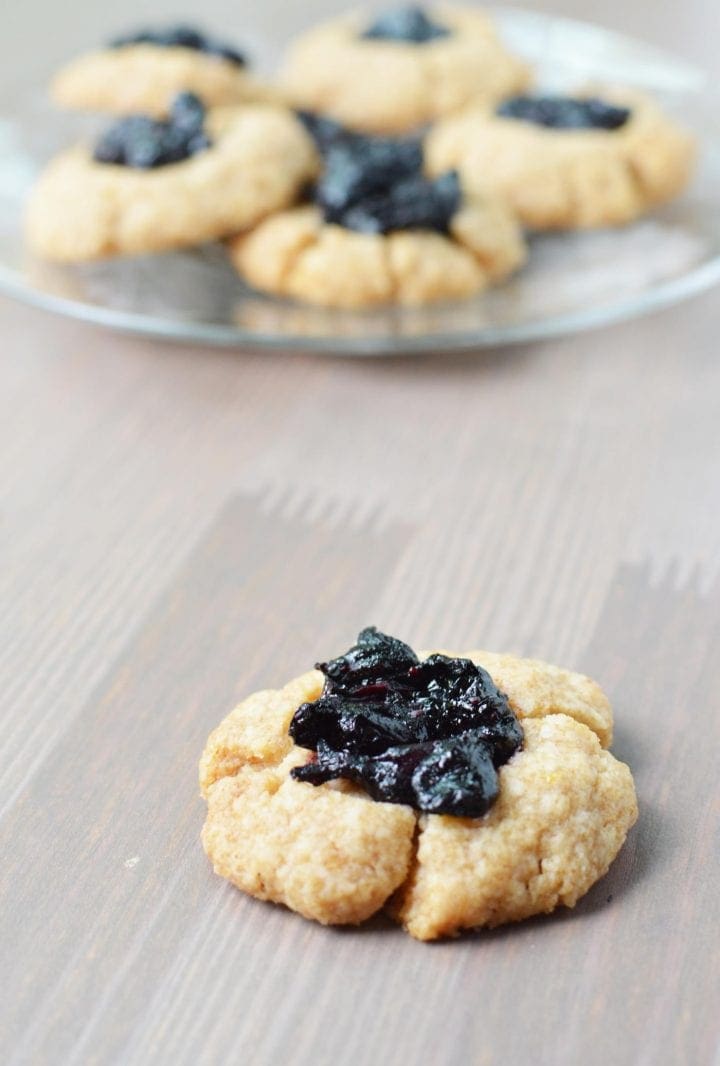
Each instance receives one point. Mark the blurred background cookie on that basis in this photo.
(400, 69)
(143, 71)
(567, 162)
(379, 231)
(151, 185)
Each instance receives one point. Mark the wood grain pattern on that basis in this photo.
(179, 526)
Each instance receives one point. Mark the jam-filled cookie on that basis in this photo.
(143, 71)
(455, 792)
(565, 162)
(401, 69)
(151, 185)
(379, 231)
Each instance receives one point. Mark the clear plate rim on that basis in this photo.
(133, 323)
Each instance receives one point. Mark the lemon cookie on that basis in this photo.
(152, 185)
(142, 72)
(401, 70)
(384, 779)
(567, 162)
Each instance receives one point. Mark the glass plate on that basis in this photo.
(573, 281)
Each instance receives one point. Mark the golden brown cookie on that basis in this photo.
(390, 86)
(567, 178)
(333, 854)
(297, 254)
(145, 77)
(563, 814)
(259, 159)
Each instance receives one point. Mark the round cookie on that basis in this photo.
(259, 159)
(297, 254)
(390, 86)
(144, 76)
(567, 178)
(333, 854)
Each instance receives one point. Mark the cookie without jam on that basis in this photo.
(556, 178)
(259, 160)
(391, 86)
(333, 854)
(145, 77)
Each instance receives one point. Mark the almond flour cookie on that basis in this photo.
(379, 232)
(153, 185)
(401, 71)
(416, 785)
(296, 254)
(142, 72)
(565, 163)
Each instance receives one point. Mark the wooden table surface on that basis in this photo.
(179, 526)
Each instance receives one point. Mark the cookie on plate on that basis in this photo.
(151, 185)
(453, 792)
(567, 162)
(143, 71)
(400, 70)
(380, 232)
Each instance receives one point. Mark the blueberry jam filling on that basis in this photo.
(376, 184)
(182, 37)
(409, 24)
(142, 142)
(430, 733)
(323, 130)
(565, 113)
(357, 169)
(414, 203)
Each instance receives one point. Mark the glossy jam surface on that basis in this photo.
(376, 184)
(430, 733)
(565, 112)
(182, 36)
(143, 143)
(410, 24)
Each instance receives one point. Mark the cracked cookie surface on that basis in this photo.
(259, 159)
(145, 77)
(335, 855)
(567, 178)
(297, 254)
(387, 86)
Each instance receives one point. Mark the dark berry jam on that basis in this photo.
(565, 112)
(360, 167)
(410, 24)
(428, 733)
(323, 130)
(413, 203)
(182, 37)
(376, 184)
(142, 142)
